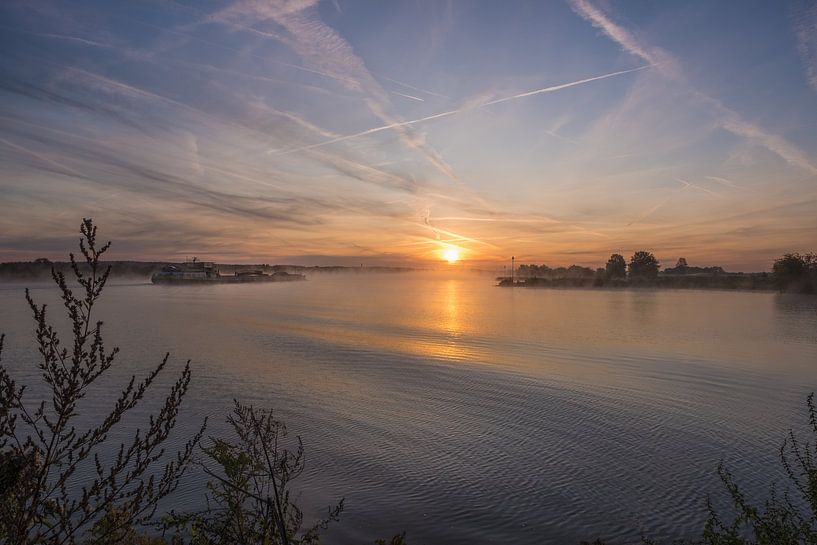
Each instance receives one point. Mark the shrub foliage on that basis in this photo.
(58, 477)
(248, 493)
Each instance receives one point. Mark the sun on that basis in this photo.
(451, 254)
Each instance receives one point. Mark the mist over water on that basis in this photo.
(465, 413)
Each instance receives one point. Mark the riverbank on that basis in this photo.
(734, 281)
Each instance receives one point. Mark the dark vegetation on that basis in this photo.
(59, 481)
(66, 482)
(794, 273)
(40, 269)
(248, 494)
(616, 267)
(681, 268)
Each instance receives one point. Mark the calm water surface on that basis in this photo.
(465, 413)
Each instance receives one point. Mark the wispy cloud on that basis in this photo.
(805, 28)
(734, 123)
(728, 119)
(60, 167)
(323, 48)
(63, 37)
(626, 39)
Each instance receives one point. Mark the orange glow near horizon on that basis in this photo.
(461, 157)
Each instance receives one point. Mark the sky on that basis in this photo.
(393, 133)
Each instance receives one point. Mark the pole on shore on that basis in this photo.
(513, 259)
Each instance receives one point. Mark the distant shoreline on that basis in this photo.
(728, 281)
(41, 269)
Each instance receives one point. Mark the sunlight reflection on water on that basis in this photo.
(466, 413)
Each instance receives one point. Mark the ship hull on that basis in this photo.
(178, 280)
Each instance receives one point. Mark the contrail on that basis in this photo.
(684, 185)
(705, 190)
(566, 85)
(655, 208)
(497, 220)
(41, 157)
(563, 138)
(727, 183)
(464, 109)
(454, 237)
(407, 86)
(61, 37)
(409, 96)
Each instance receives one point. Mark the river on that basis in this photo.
(464, 413)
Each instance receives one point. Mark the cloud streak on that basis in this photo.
(325, 49)
(413, 88)
(805, 29)
(467, 108)
(728, 119)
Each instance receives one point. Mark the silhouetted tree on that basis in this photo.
(59, 479)
(616, 266)
(558, 272)
(796, 272)
(643, 265)
(577, 271)
(682, 268)
(532, 271)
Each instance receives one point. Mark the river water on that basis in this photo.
(466, 413)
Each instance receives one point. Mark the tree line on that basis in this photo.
(796, 272)
(793, 272)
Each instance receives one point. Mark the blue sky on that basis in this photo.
(388, 132)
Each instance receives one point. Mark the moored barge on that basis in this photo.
(206, 272)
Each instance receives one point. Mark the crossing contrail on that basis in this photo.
(550, 89)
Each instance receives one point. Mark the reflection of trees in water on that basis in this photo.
(642, 307)
(796, 304)
(797, 316)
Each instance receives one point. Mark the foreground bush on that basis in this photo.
(61, 479)
(781, 519)
(248, 494)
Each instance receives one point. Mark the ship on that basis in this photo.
(206, 272)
